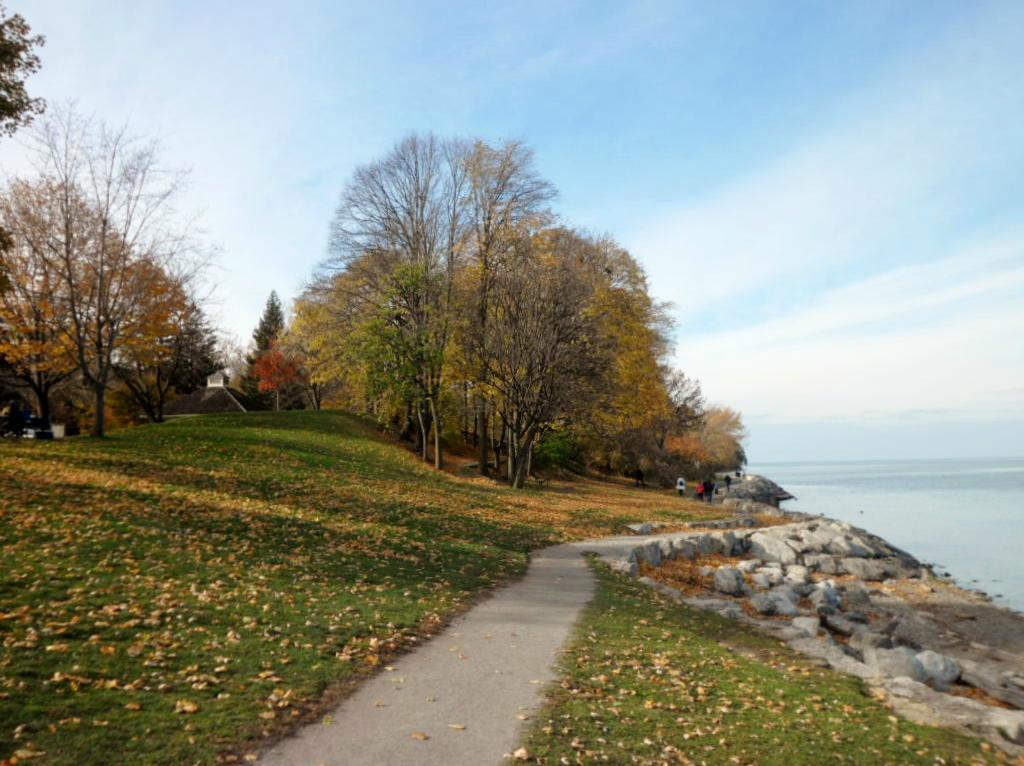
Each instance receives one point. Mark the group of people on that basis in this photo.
(705, 490)
(15, 417)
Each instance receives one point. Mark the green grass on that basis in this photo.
(648, 681)
(173, 592)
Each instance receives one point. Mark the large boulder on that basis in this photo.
(894, 663)
(824, 594)
(851, 545)
(796, 573)
(864, 569)
(759, 489)
(729, 580)
(807, 625)
(769, 546)
(777, 601)
(939, 670)
(821, 562)
(863, 640)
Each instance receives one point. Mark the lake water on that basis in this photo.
(964, 516)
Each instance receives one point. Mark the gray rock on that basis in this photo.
(862, 640)
(749, 565)
(939, 670)
(821, 562)
(651, 553)
(774, 602)
(797, 573)
(770, 547)
(808, 625)
(707, 544)
(894, 663)
(668, 550)
(851, 546)
(821, 596)
(841, 625)
(640, 529)
(1009, 723)
(802, 589)
(706, 571)
(816, 539)
(855, 594)
(684, 548)
(759, 489)
(991, 681)
(760, 580)
(729, 580)
(864, 569)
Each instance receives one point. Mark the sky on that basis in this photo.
(830, 195)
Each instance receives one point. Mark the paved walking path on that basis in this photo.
(486, 672)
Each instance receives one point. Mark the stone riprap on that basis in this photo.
(823, 575)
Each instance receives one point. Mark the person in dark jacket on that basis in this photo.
(639, 476)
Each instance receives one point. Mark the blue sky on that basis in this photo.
(830, 194)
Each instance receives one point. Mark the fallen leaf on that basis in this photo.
(457, 726)
(185, 706)
(422, 736)
(522, 754)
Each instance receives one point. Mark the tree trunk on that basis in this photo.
(42, 393)
(437, 435)
(277, 400)
(100, 416)
(423, 432)
(481, 420)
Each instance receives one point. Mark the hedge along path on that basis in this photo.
(462, 698)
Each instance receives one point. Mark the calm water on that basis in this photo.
(965, 516)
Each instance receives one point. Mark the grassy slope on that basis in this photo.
(650, 682)
(232, 568)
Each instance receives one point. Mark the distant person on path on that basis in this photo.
(709, 491)
(16, 420)
(728, 482)
(639, 476)
(681, 486)
(700, 490)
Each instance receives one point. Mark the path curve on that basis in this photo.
(485, 672)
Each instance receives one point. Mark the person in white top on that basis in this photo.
(681, 486)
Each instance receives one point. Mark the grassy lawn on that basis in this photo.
(173, 592)
(650, 682)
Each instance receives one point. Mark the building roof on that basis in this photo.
(206, 401)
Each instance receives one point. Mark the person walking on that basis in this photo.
(728, 482)
(639, 476)
(700, 490)
(709, 490)
(681, 486)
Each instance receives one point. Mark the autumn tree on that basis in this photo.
(722, 434)
(19, 58)
(506, 197)
(540, 352)
(398, 231)
(172, 355)
(268, 330)
(34, 321)
(275, 369)
(110, 210)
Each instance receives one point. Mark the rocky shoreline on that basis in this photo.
(937, 653)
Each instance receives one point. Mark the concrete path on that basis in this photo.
(461, 699)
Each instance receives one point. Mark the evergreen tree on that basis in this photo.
(269, 329)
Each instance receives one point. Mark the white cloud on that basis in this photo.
(933, 341)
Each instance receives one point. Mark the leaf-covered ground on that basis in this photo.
(648, 681)
(172, 592)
